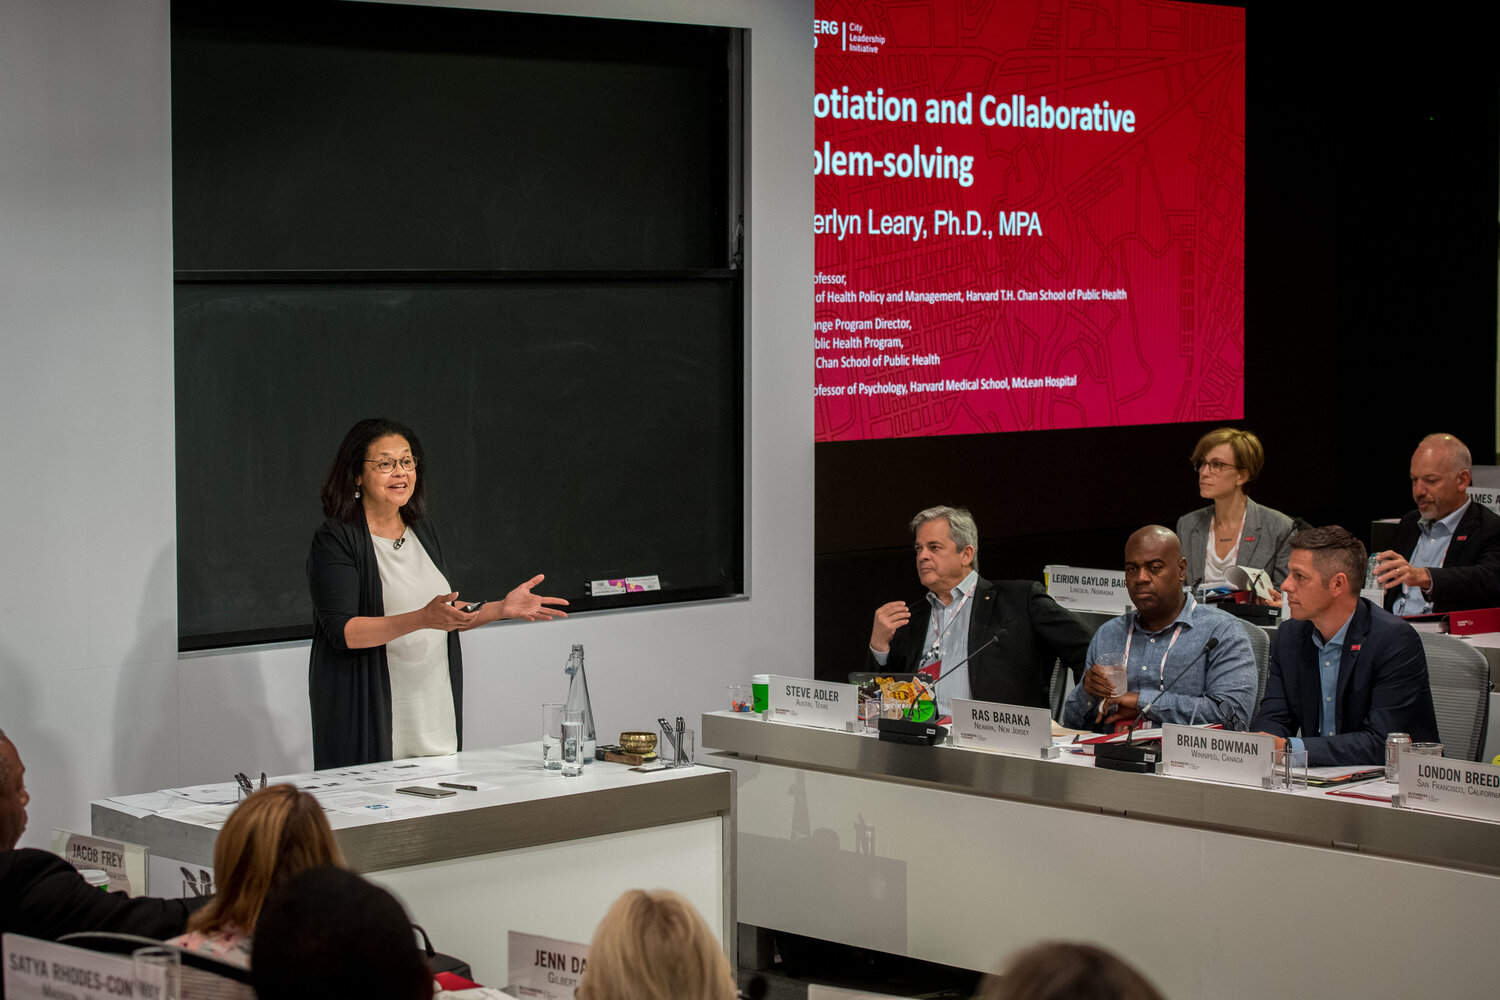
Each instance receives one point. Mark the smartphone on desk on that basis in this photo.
(427, 793)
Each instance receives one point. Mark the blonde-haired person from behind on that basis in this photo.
(655, 946)
(1066, 970)
(274, 834)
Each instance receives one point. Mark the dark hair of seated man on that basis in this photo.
(1066, 970)
(327, 932)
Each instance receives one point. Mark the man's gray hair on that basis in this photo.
(961, 527)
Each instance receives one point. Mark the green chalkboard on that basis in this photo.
(511, 232)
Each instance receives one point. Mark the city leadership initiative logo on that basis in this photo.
(851, 37)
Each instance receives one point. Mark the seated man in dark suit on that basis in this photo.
(42, 896)
(1447, 554)
(1344, 673)
(961, 612)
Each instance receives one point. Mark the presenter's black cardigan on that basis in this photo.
(350, 689)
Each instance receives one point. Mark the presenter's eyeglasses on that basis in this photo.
(386, 466)
(1217, 467)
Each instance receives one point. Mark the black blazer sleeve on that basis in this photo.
(1389, 693)
(1470, 575)
(1277, 714)
(42, 896)
(1062, 634)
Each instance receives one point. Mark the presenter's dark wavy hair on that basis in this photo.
(339, 501)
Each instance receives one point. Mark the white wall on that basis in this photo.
(91, 687)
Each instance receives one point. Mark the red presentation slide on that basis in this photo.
(1028, 215)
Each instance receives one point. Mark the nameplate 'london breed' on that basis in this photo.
(1455, 787)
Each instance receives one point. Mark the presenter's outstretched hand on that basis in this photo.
(522, 603)
(439, 613)
(888, 618)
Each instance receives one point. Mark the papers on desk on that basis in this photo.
(212, 817)
(176, 803)
(208, 795)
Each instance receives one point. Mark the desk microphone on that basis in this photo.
(1207, 648)
(904, 730)
(1140, 757)
(982, 647)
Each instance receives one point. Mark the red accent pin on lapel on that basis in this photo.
(1249, 538)
(1463, 538)
(1354, 648)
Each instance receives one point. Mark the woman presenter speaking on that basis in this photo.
(386, 675)
(1234, 530)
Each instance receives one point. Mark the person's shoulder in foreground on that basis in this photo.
(328, 932)
(42, 896)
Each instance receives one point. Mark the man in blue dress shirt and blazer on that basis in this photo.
(1447, 554)
(1344, 673)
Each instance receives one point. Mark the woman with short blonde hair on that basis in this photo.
(655, 946)
(1232, 530)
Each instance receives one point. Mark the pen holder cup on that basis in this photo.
(1288, 769)
(676, 748)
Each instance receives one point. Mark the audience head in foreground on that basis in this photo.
(655, 946)
(1062, 970)
(274, 834)
(13, 795)
(329, 933)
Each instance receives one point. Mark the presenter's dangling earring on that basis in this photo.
(356, 492)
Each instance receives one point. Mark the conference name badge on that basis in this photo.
(989, 725)
(1217, 755)
(1455, 787)
(807, 702)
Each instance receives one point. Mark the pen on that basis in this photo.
(462, 788)
(666, 730)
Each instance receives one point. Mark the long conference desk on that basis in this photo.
(531, 852)
(960, 856)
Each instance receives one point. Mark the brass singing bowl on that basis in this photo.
(638, 742)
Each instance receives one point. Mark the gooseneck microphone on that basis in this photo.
(1207, 648)
(982, 647)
